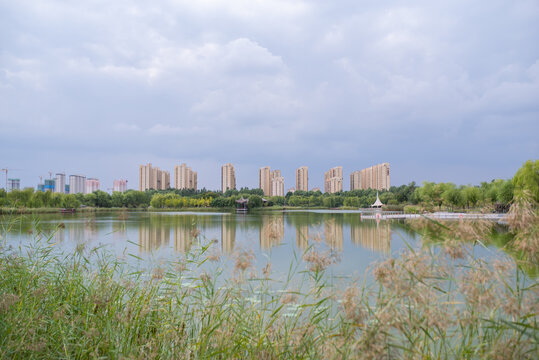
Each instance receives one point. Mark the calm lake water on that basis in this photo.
(276, 237)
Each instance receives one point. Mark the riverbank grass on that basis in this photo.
(421, 304)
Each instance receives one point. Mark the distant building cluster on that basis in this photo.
(153, 178)
(78, 184)
(271, 182)
(374, 177)
(185, 178)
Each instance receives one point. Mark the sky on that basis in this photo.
(442, 90)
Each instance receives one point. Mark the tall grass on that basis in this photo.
(421, 304)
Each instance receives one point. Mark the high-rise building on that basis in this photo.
(13, 184)
(163, 179)
(77, 184)
(60, 183)
(374, 177)
(184, 177)
(49, 185)
(145, 177)
(228, 177)
(119, 185)
(355, 180)
(277, 183)
(153, 178)
(92, 185)
(333, 180)
(264, 180)
(302, 178)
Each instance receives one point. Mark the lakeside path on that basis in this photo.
(436, 215)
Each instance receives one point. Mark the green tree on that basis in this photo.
(3, 198)
(505, 192)
(471, 195)
(102, 199)
(452, 196)
(526, 180)
(70, 201)
(254, 201)
(117, 199)
(90, 200)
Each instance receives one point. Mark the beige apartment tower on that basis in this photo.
(185, 177)
(374, 177)
(333, 180)
(277, 183)
(228, 177)
(153, 178)
(302, 178)
(264, 180)
(355, 180)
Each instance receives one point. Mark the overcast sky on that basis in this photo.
(442, 90)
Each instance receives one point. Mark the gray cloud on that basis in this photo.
(444, 91)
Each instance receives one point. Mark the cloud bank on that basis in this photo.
(445, 91)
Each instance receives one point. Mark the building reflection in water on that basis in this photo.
(271, 231)
(228, 235)
(153, 235)
(302, 236)
(75, 232)
(118, 229)
(371, 235)
(60, 233)
(183, 238)
(333, 231)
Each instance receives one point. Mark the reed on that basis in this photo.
(421, 304)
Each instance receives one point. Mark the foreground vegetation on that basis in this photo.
(419, 304)
(494, 195)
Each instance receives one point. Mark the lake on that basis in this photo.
(281, 238)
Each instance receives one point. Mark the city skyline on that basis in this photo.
(444, 91)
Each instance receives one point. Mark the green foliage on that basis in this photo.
(70, 202)
(526, 180)
(255, 201)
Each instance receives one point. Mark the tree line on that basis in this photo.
(428, 196)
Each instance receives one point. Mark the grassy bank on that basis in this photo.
(421, 304)
(10, 211)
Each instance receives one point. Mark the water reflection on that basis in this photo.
(302, 236)
(118, 229)
(152, 237)
(371, 235)
(154, 230)
(228, 235)
(333, 231)
(271, 231)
